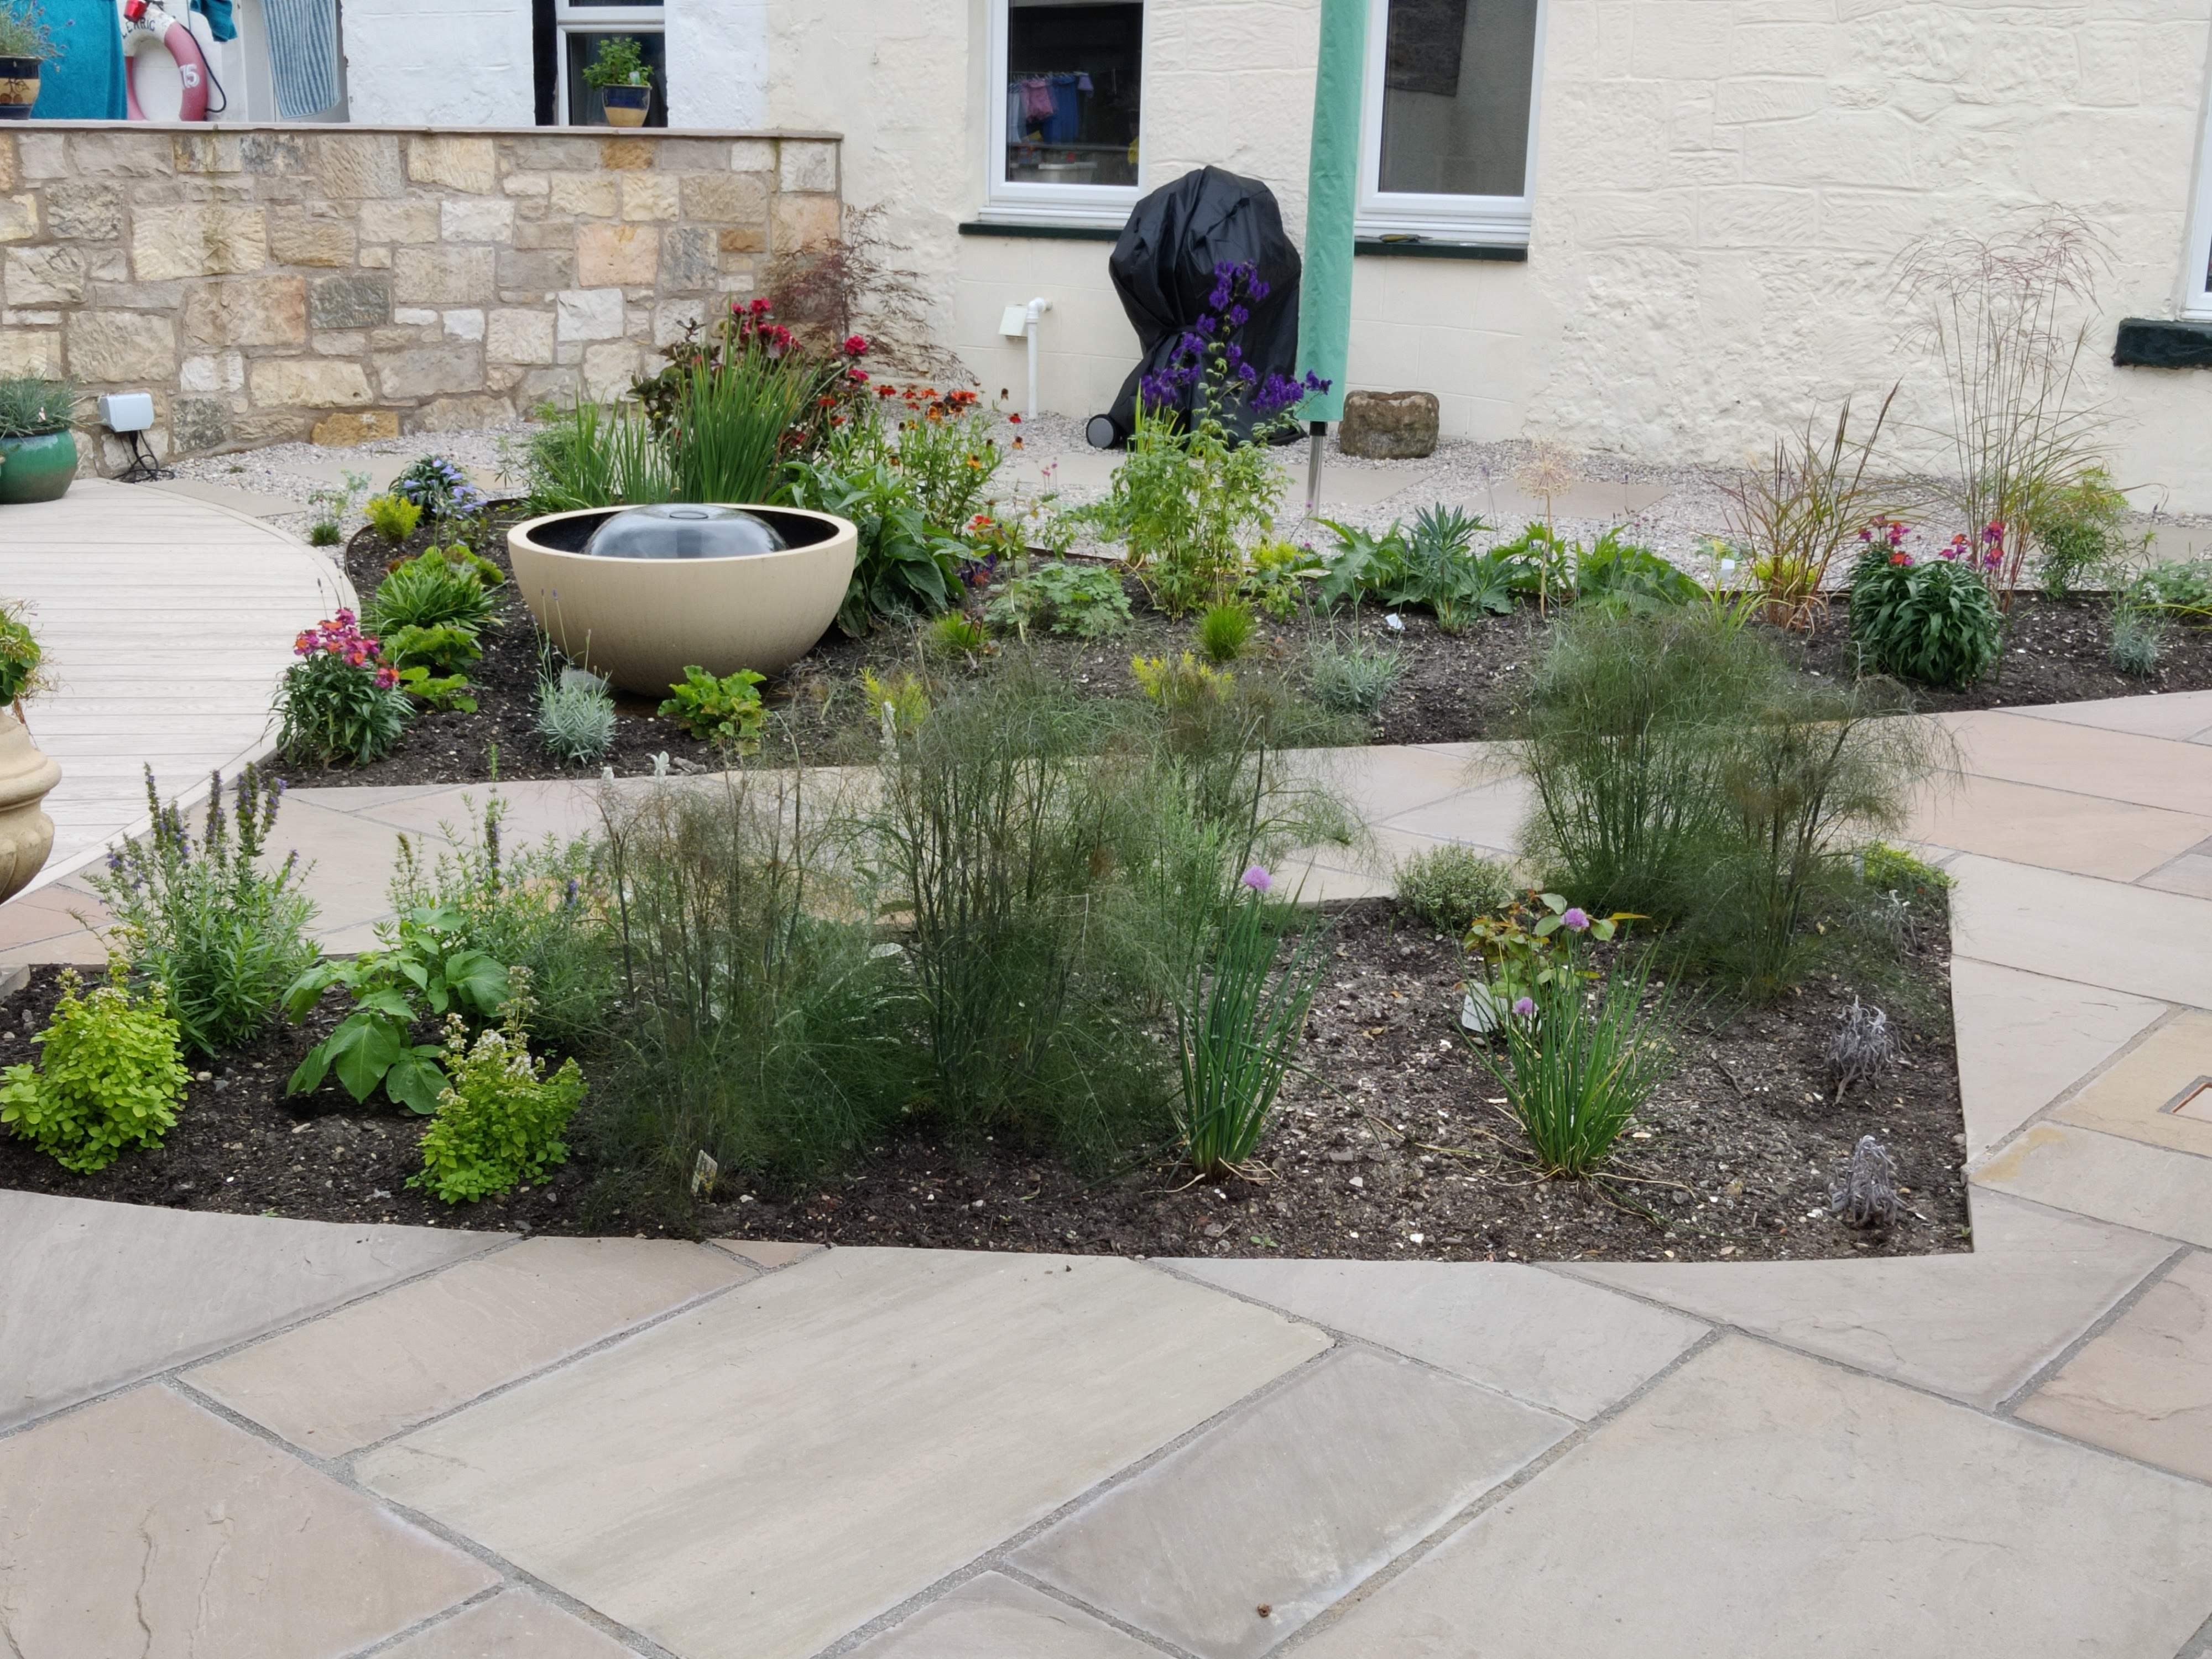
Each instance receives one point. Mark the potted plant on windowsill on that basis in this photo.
(38, 453)
(24, 47)
(26, 775)
(625, 85)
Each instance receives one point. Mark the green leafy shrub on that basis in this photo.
(1449, 887)
(393, 517)
(2179, 587)
(325, 533)
(957, 633)
(1225, 633)
(500, 1118)
(1237, 1023)
(619, 61)
(1619, 575)
(1086, 600)
(442, 647)
(330, 506)
(539, 911)
(1433, 565)
(222, 932)
(1276, 575)
(1354, 678)
(575, 720)
(901, 567)
(438, 587)
(1930, 620)
(2079, 532)
(33, 407)
(109, 1078)
(726, 711)
(948, 458)
(424, 968)
(20, 655)
(1577, 1067)
(340, 704)
(900, 703)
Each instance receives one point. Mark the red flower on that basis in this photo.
(856, 346)
(857, 376)
(759, 307)
(1013, 420)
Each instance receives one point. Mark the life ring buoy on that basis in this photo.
(145, 24)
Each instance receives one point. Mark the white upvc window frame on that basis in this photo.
(581, 17)
(2197, 278)
(1474, 221)
(1014, 202)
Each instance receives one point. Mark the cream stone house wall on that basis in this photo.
(1716, 189)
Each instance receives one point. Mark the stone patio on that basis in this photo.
(274, 1438)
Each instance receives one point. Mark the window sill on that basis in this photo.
(1040, 230)
(2156, 343)
(1390, 247)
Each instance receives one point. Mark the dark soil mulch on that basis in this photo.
(1456, 688)
(1396, 1148)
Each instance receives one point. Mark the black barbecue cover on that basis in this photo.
(1162, 268)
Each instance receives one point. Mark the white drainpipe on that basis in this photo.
(1021, 321)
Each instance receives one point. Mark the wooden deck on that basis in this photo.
(165, 622)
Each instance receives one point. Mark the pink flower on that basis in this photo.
(1257, 879)
(856, 345)
(1525, 1006)
(857, 376)
(1575, 920)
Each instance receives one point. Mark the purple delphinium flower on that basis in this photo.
(1575, 919)
(1257, 879)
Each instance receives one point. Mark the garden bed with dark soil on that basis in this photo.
(1455, 688)
(1395, 1148)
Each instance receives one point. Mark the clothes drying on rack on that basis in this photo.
(1047, 108)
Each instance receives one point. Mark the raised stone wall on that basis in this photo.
(271, 284)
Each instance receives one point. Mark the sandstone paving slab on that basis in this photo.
(512, 1625)
(1384, 781)
(1555, 1342)
(2180, 716)
(2114, 765)
(254, 503)
(2023, 1039)
(369, 1370)
(1488, 812)
(2153, 1188)
(2089, 835)
(1292, 1503)
(2158, 1091)
(995, 1617)
(2190, 874)
(535, 809)
(2143, 1386)
(145, 1525)
(1974, 1326)
(757, 1477)
(170, 1286)
(2077, 927)
(1755, 1502)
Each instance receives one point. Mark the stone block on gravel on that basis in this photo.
(1388, 425)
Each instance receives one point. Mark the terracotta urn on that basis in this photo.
(27, 834)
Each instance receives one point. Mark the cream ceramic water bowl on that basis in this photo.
(641, 621)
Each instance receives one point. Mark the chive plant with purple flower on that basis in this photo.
(1193, 494)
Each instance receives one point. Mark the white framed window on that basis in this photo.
(1449, 143)
(2197, 276)
(1065, 92)
(578, 27)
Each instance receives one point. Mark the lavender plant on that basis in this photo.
(1866, 1196)
(1865, 1045)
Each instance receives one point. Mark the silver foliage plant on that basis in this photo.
(1867, 1195)
(1865, 1045)
(575, 720)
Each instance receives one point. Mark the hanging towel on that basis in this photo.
(303, 55)
(221, 26)
(83, 79)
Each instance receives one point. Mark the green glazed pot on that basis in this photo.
(36, 469)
